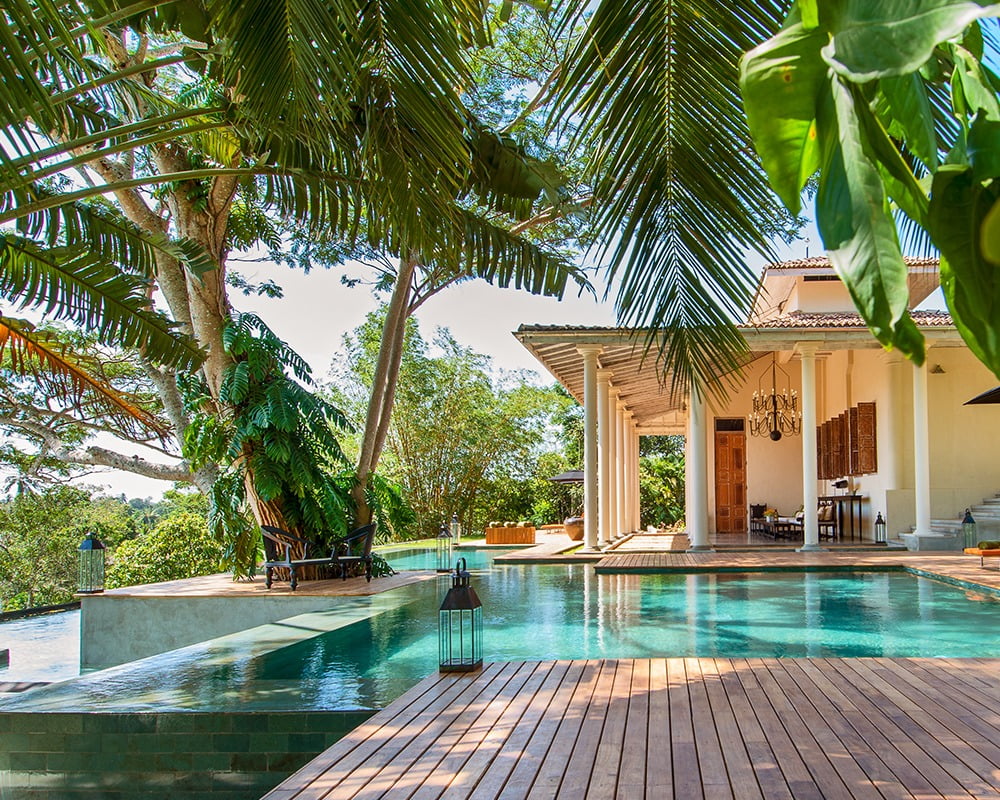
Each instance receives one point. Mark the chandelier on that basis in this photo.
(775, 415)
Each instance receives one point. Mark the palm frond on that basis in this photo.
(67, 378)
(680, 195)
(70, 282)
(477, 247)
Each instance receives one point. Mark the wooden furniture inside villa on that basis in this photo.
(511, 535)
(848, 516)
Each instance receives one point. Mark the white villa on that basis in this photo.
(878, 434)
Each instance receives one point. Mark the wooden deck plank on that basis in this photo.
(579, 767)
(550, 775)
(923, 724)
(800, 781)
(528, 762)
(817, 719)
(448, 738)
(517, 746)
(607, 762)
(737, 765)
(684, 752)
(820, 691)
(767, 771)
(659, 767)
(632, 770)
(711, 752)
(896, 727)
(471, 754)
(659, 729)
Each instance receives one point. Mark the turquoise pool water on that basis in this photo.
(534, 613)
(384, 644)
(42, 648)
(417, 558)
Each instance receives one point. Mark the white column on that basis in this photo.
(604, 450)
(636, 503)
(590, 488)
(696, 509)
(810, 497)
(628, 437)
(890, 455)
(622, 448)
(921, 451)
(613, 450)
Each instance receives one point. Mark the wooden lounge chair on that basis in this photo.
(278, 546)
(354, 551)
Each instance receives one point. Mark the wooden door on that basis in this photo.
(730, 477)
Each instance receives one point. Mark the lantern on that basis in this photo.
(456, 529)
(90, 572)
(460, 625)
(443, 544)
(880, 529)
(969, 529)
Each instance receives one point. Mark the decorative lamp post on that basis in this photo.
(880, 529)
(443, 543)
(456, 528)
(969, 529)
(460, 625)
(90, 571)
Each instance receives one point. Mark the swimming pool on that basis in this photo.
(419, 558)
(388, 642)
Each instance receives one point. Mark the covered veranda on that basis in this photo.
(626, 395)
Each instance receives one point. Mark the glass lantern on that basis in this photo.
(443, 544)
(456, 529)
(881, 536)
(460, 625)
(969, 529)
(90, 567)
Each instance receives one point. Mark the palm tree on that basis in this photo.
(190, 115)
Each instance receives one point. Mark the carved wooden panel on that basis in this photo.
(867, 439)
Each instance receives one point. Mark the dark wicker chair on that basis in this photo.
(278, 547)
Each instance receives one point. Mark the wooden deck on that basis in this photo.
(678, 728)
(223, 585)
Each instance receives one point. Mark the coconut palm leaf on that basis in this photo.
(680, 196)
(478, 247)
(73, 283)
(69, 379)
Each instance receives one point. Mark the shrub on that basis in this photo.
(180, 546)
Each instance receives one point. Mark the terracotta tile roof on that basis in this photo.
(822, 262)
(848, 319)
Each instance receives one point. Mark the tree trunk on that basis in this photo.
(384, 383)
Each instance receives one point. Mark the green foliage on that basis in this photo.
(39, 536)
(461, 439)
(661, 488)
(180, 546)
(885, 101)
(277, 436)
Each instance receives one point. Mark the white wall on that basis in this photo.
(964, 440)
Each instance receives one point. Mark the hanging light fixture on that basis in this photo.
(775, 415)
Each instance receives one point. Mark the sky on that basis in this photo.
(317, 310)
